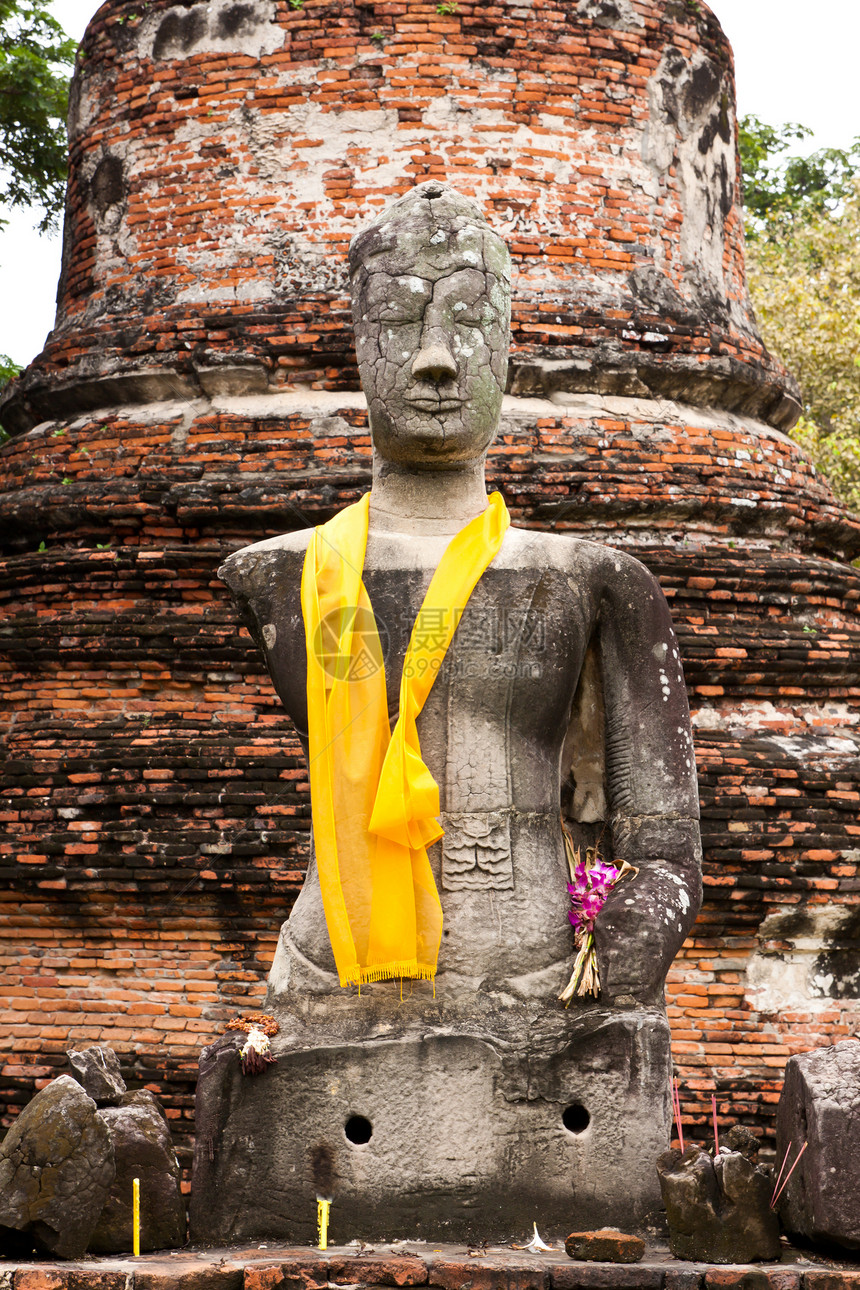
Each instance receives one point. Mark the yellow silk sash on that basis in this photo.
(373, 800)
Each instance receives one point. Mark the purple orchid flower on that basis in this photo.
(588, 891)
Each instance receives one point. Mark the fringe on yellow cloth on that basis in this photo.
(373, 800)
(391, 972)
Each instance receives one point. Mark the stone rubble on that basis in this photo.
(718, 1209)
(143, 1149)
(98, 1072)
(820, 1106)
(56, 1169)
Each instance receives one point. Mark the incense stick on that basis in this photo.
(781, 1172)
(788, 1175)
(676, 1103)
(716, 1132)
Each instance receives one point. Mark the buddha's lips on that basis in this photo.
(435, 405)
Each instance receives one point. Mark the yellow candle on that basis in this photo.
(323, 1207)
(135, 1215)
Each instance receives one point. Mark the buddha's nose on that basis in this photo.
(434, 362)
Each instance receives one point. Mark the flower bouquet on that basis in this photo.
(591, 881)
(255, 1054)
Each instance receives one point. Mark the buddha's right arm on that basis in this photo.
(265, 582)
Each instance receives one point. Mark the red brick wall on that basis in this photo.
(221, 160)
(199, 392)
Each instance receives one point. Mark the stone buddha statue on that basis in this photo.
(469, 1107)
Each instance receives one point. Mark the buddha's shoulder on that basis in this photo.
(255, 564)
(565, 552)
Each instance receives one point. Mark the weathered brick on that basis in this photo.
(683, 1278)
(604, 1246)
(378, 1271)
(746, 1278)
(190, 1274)
(841, 1280)
(40, 1278)
(298, 1274)
(477, 1274)
(606, 1276)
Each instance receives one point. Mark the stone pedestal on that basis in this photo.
(416, 1131)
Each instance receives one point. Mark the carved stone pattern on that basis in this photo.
(476, 852)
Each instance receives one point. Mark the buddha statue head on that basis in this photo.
(431, 308)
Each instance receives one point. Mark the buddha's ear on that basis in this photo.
(583, 767)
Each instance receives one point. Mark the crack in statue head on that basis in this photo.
(431, 308)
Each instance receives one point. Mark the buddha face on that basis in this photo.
(431, 306)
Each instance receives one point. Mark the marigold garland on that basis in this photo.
(261, 1020)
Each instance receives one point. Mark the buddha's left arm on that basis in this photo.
(651, 787)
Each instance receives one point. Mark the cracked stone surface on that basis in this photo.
(143, 1149)
(56, 1169)
(98, 1072)
(820, 1105)
(431, 308)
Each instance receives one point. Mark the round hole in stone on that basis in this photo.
(575, 1118)
(358, 1129)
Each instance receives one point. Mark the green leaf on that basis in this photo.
(803, 261)
(780, 188)
(36, 57)
(8, 370)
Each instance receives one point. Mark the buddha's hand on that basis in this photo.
(646, 918)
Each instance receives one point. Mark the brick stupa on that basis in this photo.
(199, 392)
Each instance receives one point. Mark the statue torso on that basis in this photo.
(491, 732)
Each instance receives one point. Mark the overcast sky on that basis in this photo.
(794, 61)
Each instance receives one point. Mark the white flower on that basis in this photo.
(536, 1245)
(255, 1053)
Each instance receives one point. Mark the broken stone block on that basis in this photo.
(742, 1139)
(143, 1149)
(56, 1169)
(820, 1105)
(97, 1071)
(605, 1246)
(718, 1209)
